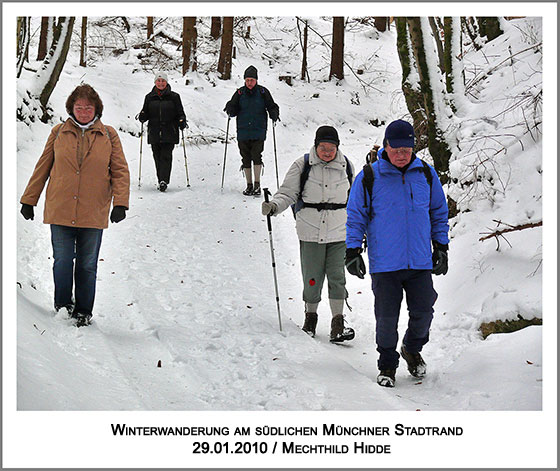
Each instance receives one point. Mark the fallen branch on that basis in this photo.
(511, 228)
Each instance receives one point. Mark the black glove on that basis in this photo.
(182, 124)
(142, 117)
(439, 258)
(118, 213)
(27, 211)
(355, 263)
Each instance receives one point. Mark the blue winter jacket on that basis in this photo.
(405, 217)
(250, 107)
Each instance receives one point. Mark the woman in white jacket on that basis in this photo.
(318, 184)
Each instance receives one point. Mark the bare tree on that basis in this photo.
(411, 84)
(439, 149)
(337, 57)
(46, 25)
(216, 27)
(226, 49)
(303, 43)
(49, 73)
(23, 38)
(470, 27)
(83, 42)
(189, 44)
(436, 33)
(150, 26)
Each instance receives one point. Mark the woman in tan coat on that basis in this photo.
(85, 165)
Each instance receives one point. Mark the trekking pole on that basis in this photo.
(225, 153)
(275, 157)
(185, 154)
(269, 223)
(140, 164)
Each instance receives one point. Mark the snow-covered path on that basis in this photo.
(186, 282)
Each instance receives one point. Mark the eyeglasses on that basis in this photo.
(84, 108)
(326, 150)
(402, 150)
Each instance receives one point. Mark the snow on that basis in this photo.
(185, 281)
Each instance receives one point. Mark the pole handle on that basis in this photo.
(266, 194)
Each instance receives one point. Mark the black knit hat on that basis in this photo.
(326, 134)
(251, 72)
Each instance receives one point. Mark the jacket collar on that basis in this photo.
(71, 126)
(337, 162)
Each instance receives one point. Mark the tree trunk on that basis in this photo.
(23, 38)
(304, 72)
(189, 44)
(380, 23)
(224, 62)
(337, 57)
(411, 85)
(439, 45)
(42, 50)
(216, 27)
(49, 74)
(454, 70)
(83, 43)
(489, 26)
(437, 144)
(469, 26)
(150, 27)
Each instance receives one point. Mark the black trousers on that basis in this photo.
(163, 157)
(251, 151)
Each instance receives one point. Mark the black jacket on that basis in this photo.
(163, 113)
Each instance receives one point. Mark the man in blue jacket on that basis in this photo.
(402, 213)
(250, 105)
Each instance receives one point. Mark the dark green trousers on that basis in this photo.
(318, 261)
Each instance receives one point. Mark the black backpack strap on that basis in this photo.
(427, 173)
(349, 171)
(304, 174)
(367, 183)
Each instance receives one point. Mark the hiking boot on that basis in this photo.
(82, 319)
(339, 333)
(249, 190)
(69, 307)
(386, 378)
(162, 186)
(310, 323)
(256, 189)
(415, 363)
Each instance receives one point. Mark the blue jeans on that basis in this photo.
(81, 244)
(420, 298)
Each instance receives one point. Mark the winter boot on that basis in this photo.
(415, 363)
(339, 333)
(386, 378)
(249, 190)
(257, 189)
(82, 319)
(162, 186)
(310, 323)
(69, 307)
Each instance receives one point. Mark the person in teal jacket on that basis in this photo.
(250, 105)
(403, 216)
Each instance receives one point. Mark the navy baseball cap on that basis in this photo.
(400, 134)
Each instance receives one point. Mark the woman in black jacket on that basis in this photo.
(164, 112)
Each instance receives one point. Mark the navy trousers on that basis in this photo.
(83, 245)
(420, 298)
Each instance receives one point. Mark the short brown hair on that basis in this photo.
(84, 91)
